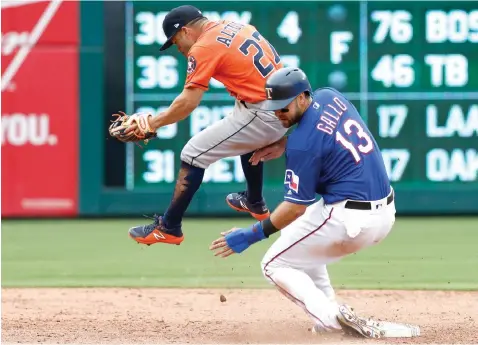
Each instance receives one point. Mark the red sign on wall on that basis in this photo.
(39, 107)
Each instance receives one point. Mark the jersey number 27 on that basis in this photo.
(254, 41)
(364, 148)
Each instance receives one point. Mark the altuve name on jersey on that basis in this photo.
(230, 30)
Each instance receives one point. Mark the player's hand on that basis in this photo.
(272, 151)
(220, 244)
(132, 128)
(237, 240)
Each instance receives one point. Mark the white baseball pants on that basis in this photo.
(296, 261)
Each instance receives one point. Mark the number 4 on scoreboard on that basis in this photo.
(289, 28)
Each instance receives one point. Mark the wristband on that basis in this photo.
(268, 228)
(255, 233)
(241, 239)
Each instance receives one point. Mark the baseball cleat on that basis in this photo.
(357, 326)
(239, 202)
(156, 233)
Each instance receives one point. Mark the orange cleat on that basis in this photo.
(156, 233)
(239, 202)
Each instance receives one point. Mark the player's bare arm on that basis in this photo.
(285, 214)
(182, 106)
(237, 240)
(269, 152)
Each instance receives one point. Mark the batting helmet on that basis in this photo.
(283, 86)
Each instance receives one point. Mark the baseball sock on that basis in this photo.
(189, 181)
(253, 175)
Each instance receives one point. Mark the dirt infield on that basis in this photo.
(147, 316)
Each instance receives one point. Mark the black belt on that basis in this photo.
(365, 205)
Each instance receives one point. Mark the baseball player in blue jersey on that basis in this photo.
(332, 153)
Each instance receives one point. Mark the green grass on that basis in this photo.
(420, 253)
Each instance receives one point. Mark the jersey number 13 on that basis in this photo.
(364, 148)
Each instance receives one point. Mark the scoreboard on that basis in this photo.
(410, 68)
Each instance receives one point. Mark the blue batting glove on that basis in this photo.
(241, 239)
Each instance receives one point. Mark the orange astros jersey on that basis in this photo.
(234, 54)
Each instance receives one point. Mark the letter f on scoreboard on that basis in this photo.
(339, 45)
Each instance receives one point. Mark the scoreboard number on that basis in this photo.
(160, 166)
(394, 71)
(391, 119)
(158, 72)
(289, 27)
(395, 24)
(150, 28)
(395, 160)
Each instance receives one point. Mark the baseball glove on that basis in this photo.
(142, 129)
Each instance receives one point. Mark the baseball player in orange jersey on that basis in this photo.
(241, 58)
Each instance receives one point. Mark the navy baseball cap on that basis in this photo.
(283, 86)
(176, 19)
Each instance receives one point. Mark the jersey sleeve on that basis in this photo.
(301, 177)
(202, 64)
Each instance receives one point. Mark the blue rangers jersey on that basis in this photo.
(332, 153)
